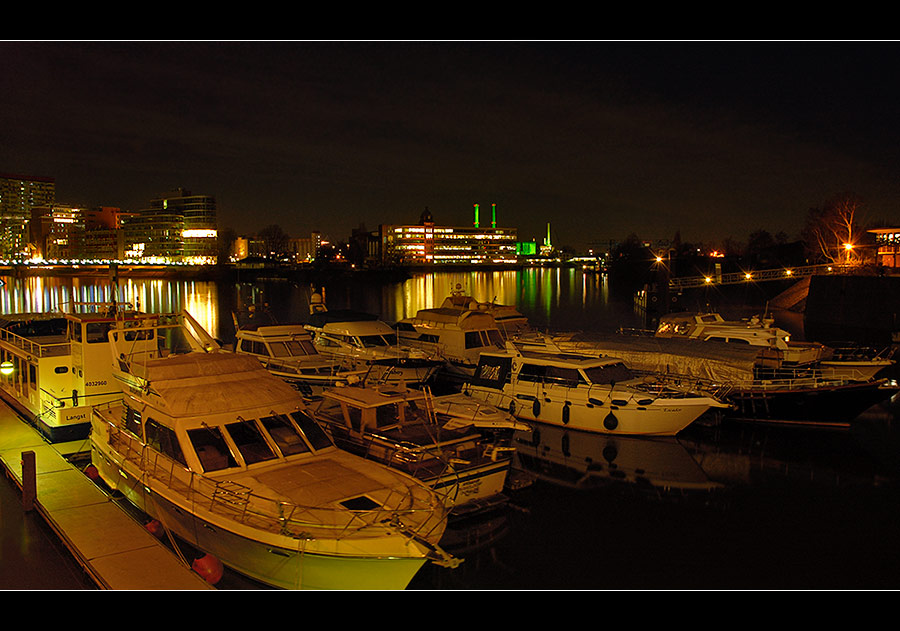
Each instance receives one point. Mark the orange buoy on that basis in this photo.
(155, 528)
(91, 472)
(208, 567)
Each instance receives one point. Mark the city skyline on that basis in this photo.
(601, 139)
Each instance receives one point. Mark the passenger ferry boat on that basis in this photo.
(594, 394)
(223, 454)
(436, 441)
(360, 341)
(59, 366)
(287, 351)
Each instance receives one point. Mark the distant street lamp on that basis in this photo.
(848, 248)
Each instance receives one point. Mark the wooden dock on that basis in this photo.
(112, 547)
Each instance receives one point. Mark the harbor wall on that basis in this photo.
(862, 309)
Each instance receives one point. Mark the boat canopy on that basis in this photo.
(200, 383)
(716, 361)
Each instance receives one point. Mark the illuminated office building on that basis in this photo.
(177, 227)
(426, 243)
(56, 232)
(19, 194)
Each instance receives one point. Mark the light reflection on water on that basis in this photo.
(41, 294)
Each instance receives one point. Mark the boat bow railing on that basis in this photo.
(236, 502)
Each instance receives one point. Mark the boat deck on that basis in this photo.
(113, 548)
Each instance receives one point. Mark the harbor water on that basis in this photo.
(722, 506)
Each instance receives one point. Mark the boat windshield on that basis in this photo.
(250, 442)
(314, 434)
(286, 436)
(211, 448)
(292, 348)
(611, 373)
(370, 341)
(481, 339)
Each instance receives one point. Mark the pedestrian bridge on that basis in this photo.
(734, 278)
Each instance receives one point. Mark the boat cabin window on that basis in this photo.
(254, 348)
(164, 440)
(288, 439)
(250, 441)
(292, 348)
(532, 372)
(314, 434)
(406, 326)
(95, 332)
(211, 448)
(563, 376)
(371, 341)
(610, 373)
(480, 339)
(326, 340)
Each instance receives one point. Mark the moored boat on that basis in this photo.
(594, 394)
(360, 341)
(762, 332)
(510, 321)
(59, 365)
(287, 351)
(438, 441)
(756, 382)
(459, 336)
(225, 455)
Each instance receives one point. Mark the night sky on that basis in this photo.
(602, 139)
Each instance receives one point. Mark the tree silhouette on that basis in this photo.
(831, 232)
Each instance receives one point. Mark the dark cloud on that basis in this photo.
(600, 139)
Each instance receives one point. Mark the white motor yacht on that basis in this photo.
(761, 332)
(590, 393)
(510, 321)
(224, 454)
(288, 352)
(459, 336)
(360, 341)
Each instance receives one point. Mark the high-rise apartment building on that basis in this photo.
(19, 194)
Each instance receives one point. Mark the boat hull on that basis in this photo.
(822, 406)
(271, 564)
(572, 409)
